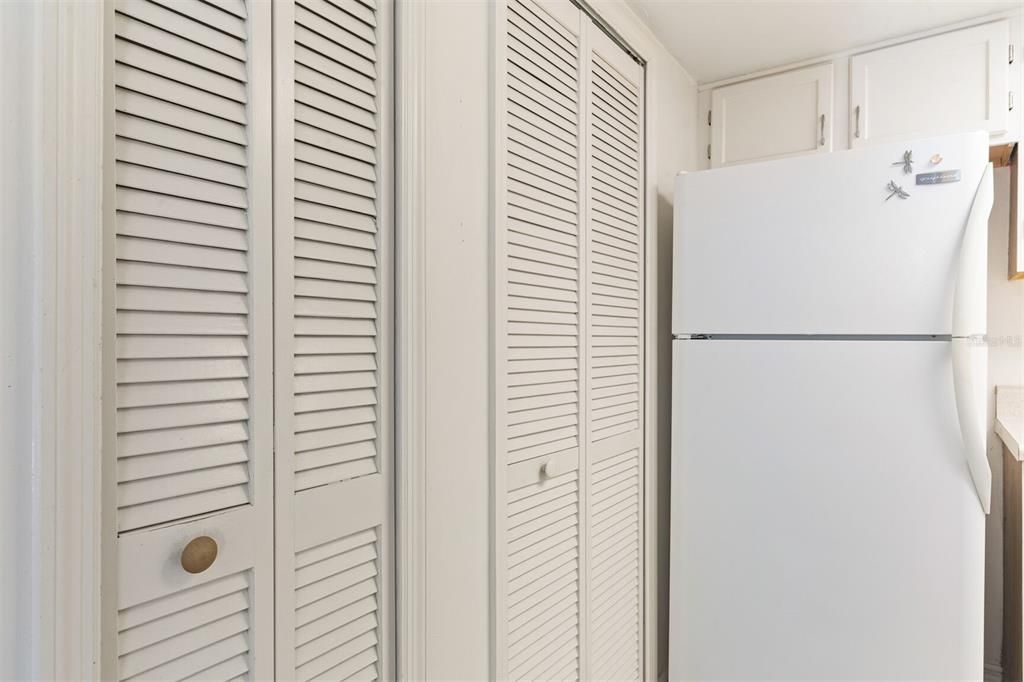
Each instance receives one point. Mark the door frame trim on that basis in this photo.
(410, 340)
(56, 199)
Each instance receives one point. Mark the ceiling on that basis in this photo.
(716, 40)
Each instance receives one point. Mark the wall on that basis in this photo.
(457, 171)
(1006, 367)
(21, 33)
(456, 126)
(674, 117)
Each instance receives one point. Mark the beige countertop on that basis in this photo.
(1010, 417)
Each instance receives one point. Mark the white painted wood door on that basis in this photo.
(333, 309)
(954, 82)
(614, 363)
(237, 332)
(189, 390)
(569, 364)
(771, 117)
(539, 383)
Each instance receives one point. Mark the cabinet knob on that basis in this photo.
(199, 554)
(555, 467)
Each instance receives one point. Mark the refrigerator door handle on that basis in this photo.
(969, 384)
(970, 354)
(970, 295)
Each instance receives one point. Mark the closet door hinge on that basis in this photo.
(1010, 50)
(1011, 100)
(709, 151)
(709, 117)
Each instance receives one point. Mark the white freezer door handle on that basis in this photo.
(970, 354)
(970, 296)
(969, 379)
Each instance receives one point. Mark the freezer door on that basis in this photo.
(819, 245)
(824, 520)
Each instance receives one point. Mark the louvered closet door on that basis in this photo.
(615, 362)
(539, 377)
(569, 359)
(190, 423)
(333, 230)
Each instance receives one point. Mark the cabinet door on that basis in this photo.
(332, 266)
(955, 82)
(767, 118)
(190, 392)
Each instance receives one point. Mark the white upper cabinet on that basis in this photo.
(771, 117)
(948, 83)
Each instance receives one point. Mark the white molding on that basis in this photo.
(52, 183)
(77, 329)
(496, 550)
(410, 341)
(24, 70)
(842, 54)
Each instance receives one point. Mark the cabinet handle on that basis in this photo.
(856, 121)
(553, 467)
(199, 554)
(822, 141)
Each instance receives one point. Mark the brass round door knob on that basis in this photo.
(199, 554)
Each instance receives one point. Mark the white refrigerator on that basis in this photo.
(829, 475)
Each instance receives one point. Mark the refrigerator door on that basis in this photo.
(820, 245)
(824, 520)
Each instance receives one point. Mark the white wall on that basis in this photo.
(21, 33)
(457, 240)
(674, 117)
(456, 111)
(1006, 367)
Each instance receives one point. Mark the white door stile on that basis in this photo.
(642, 439)
(335, 464)
(262, 306)
(108, 358)
(537, 355)
(587, 40)
(615, 363)
(284, 324)
(188, 421)
(499, 357)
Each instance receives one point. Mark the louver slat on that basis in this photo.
(543, 575)
(336, 260)
(332, 308)
(183, 316)
(615, 374)
(200, 631)
(541, 344)
(336, 615)
(189, 422)
(615, 264)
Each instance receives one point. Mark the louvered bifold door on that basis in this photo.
(614, 362)
(188, 398)
(333, 377)
(539, 374)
